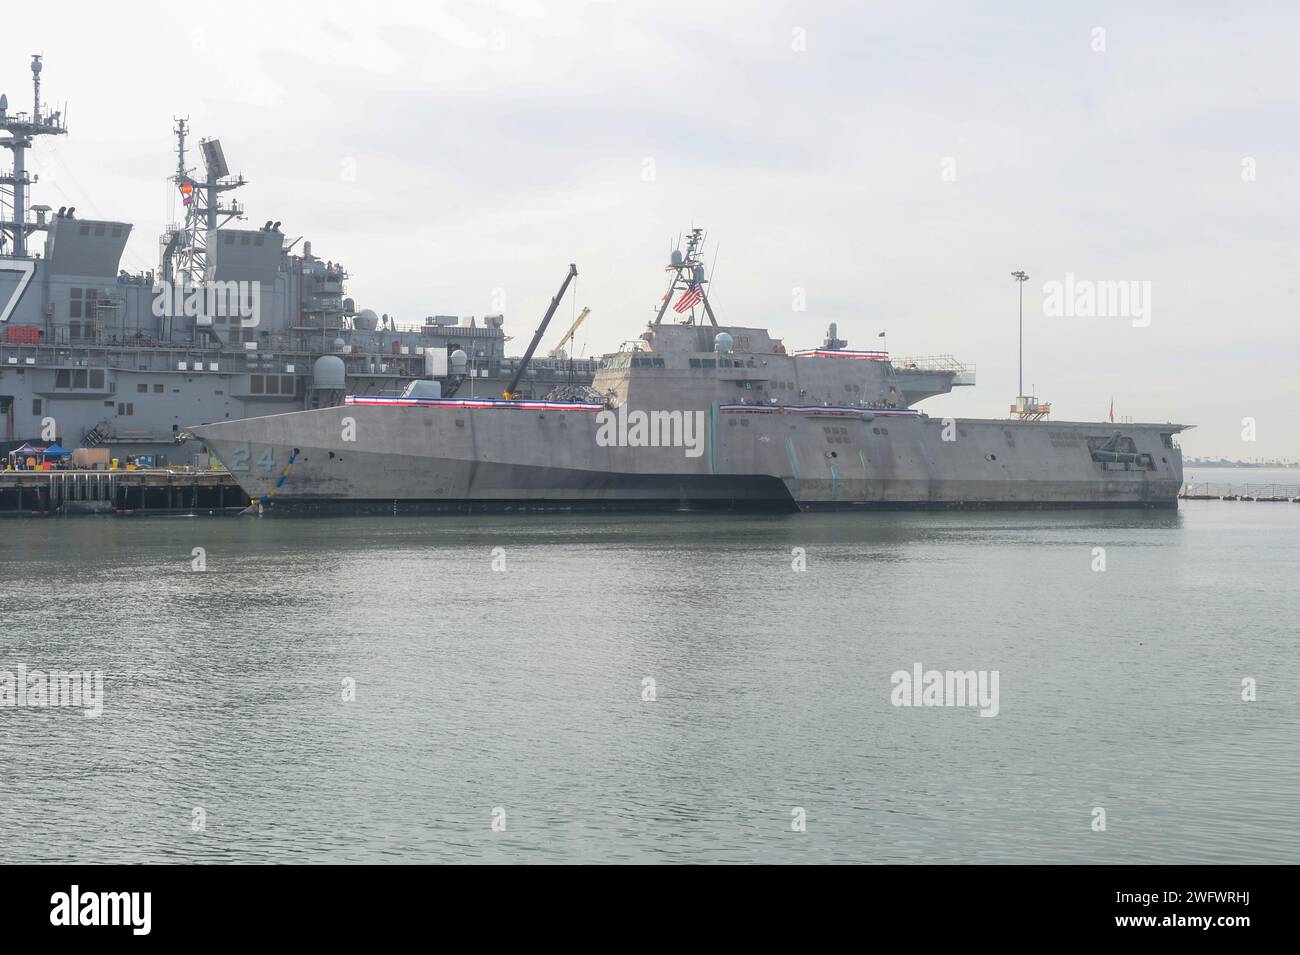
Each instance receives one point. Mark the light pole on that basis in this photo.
(1021, 277)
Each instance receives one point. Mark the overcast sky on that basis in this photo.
(894, 161)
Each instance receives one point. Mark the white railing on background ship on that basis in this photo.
(963, 372)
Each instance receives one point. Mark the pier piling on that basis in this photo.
(158, 491)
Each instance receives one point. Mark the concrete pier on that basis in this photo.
(158, 491)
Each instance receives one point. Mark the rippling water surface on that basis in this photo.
(519, 691)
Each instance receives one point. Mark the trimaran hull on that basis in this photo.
(440, 457)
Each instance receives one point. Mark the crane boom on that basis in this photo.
(541, 330)
(558, 350)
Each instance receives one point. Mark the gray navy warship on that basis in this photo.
(694, 414)
(234, 321)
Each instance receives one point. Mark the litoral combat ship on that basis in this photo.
(233, 322)
(693, 414)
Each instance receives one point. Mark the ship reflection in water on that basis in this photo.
(520, 693)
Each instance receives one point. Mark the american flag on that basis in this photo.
(690, 299)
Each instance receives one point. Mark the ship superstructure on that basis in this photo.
(696, 414)
(235, 321)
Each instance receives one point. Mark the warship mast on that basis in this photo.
(687, 276)
(14, 183)
(185, 246)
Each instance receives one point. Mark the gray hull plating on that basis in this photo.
(386, 459)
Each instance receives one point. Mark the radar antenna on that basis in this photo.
(687, 277)
(185, 245)
(15, 181)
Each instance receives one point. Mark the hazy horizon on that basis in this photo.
(889, 166)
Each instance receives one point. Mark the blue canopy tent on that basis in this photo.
(56, 451)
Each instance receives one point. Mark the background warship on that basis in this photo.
(694, 415)
(87, 360)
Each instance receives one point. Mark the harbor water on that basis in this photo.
(655, 688)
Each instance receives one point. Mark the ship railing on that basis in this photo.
(1221, 490)
(147, 355)
(556, 364)
(963, 372)
(78, 355)
(133, 356)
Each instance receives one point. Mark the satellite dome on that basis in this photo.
(458, 361)
(723, 343)
(328, 374)
(365, 320)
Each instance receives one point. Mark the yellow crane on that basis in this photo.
(558, 351)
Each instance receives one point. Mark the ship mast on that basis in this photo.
(14, 182)
(185, 245)
(687, 277)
